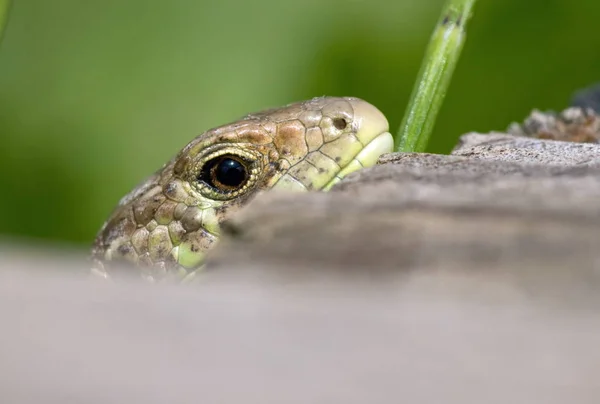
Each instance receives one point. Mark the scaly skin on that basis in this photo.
(166, 225)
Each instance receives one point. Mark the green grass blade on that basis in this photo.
(4, 8)
(438, 65)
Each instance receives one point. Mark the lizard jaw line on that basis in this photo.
(367, 157)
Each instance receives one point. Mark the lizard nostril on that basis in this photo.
(340, 123)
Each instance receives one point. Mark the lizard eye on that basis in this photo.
(226, 173)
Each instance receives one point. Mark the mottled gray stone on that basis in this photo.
(469, 278)
(501, 209)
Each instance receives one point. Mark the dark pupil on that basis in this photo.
(230, 172)
(224, 173)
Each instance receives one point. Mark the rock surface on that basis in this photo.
(453, 337)
(498, 203)
(466, 278)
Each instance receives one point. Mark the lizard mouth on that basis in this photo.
(367, 157)
(356, 144)
(372, 132)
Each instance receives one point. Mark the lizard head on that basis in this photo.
(168, 223)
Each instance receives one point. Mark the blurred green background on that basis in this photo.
(96, 95)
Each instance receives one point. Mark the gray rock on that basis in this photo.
(466, 278)
(491, 206)
(452, 336)
(526, 151)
